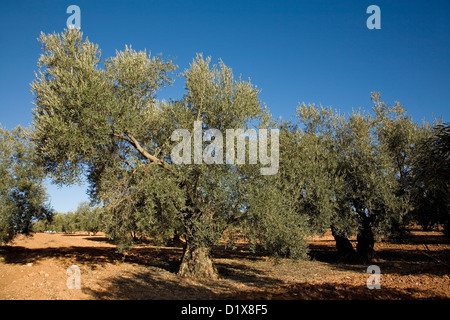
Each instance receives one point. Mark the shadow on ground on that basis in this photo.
(390, 260)
(154, 276)
(150, 285)
(165, 258)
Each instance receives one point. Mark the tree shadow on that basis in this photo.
(165, 258)
(324, 251)
(426, 237)
(417, 261)
(338, 291)
(156, 277)
(154, 283)
(22, 255)
(151, 284)
(390, 260)
(244, 274)
(239, 251)
(99, 239)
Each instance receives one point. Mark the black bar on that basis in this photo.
(225, 309)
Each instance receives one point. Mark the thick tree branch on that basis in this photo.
(133, 141)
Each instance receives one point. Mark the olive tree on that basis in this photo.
(23, 198)
(103, 120)
(431, 178)
(300, 200)
(350, 173)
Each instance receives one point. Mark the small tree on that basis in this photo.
(370, 182)
(88, 218)
(300, 200)
(22, 194)
(346, 172)
(40, 226)
(431, 176)
(398, 138)
(71, 222)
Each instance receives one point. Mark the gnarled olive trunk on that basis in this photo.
(366, 242)
(343, 245)
(197, 263)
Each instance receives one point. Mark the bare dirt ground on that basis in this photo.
(35, 268)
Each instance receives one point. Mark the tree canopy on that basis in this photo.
(23, 198)
(159, 167)
(106, 122)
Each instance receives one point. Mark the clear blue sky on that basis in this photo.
(294, 51)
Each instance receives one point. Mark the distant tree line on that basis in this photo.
(85, 218)
(366, 174)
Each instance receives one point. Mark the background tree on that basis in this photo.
(319, 158)
(370, 182)
(40, 226)
(71, 222)
(86, 218)
(431, 178)
(350, 173)
(398, 138)
(300, 200)
(59, 223)
(89, 218)
(23, 198)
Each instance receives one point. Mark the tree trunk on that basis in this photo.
(175, 241)
(197, 263)
(343, 246)
(366, 242)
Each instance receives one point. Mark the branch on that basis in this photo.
(133, 141)
(123, 137)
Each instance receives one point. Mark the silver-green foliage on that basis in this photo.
(105, 121)
(23, 197)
